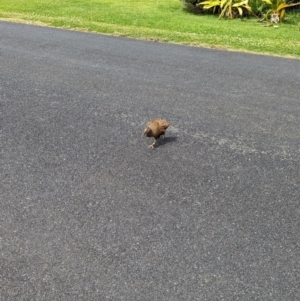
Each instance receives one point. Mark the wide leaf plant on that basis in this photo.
(278, 7)
(228, 7)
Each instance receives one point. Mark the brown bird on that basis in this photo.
(156, 128)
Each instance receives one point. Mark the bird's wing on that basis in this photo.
(153, 124)
(163, 123)
(158, 127)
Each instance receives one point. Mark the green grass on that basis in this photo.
(157, 20)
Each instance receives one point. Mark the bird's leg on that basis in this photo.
(152, 145)
(162, 136)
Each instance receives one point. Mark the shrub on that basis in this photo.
(258, 7)
(229, 8)
(274, 9)
(278, 7)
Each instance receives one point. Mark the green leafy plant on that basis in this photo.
(229, 8)
(258, 7)
(278, 8)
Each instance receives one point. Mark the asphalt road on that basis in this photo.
(88, 212)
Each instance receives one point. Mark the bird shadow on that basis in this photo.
(166, 140)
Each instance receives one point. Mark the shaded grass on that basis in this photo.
(157, 20)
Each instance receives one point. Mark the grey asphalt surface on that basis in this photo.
(88, 212)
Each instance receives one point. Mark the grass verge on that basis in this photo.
(157, 20)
